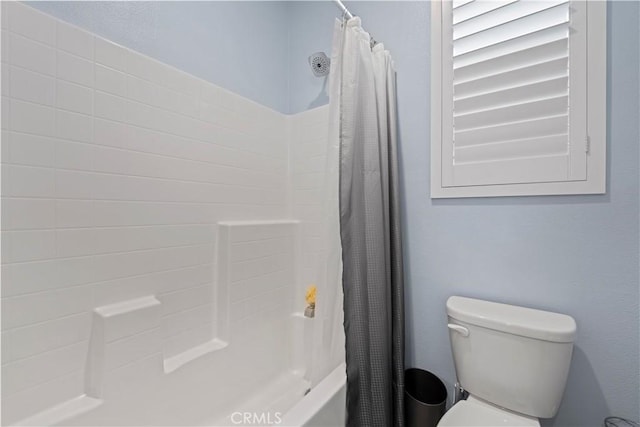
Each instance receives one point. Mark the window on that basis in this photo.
(518, 97)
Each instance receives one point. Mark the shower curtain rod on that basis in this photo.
(343, 8)
(349, 15)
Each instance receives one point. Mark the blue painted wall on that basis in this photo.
(577, 255)
(573, 254)
(240, 45)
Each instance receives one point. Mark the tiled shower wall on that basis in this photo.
(116, 170)
(308, 156)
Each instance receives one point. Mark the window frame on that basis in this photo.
(595, 144)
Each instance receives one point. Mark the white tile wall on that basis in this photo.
(260, 275)
(308, 136)
(115, 170)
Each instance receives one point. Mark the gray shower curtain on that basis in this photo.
(370, 231)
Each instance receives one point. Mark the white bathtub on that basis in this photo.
(206, 392)
(323, 406)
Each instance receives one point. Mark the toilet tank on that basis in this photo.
(513, 357)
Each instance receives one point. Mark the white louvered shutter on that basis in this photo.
(514, 95)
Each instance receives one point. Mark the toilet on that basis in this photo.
(512, 361)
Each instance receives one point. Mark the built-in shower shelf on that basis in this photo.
(174, 362)
(64, 411)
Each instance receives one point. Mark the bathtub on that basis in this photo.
(320, 406)
(323, 406)
(205, 392)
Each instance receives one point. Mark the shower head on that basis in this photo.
(319, 64)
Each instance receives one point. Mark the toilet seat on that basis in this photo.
(475, 412)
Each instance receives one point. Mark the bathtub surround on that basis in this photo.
(147, 240)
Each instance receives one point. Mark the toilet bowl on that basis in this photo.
(513, 362)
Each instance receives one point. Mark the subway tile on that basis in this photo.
(32, 118)
(76, 242)
(175, 280)
(143, 317)
(4, 34)
(110, 133)
(247, 269)
(74, 271)
(6, 113)
(75, 155)
(74, 184)
(32, 23)
(260, 284)
(30, 245)
(44, 367)
(73, 97)
(188, 339)
(5, 69)
(243, 251)
(110, 54)
(27, 181)
(24, 214)
(162, 74)
(109, 106)
(32, 55)
(179, 81)
(75, 127)
(32, 150)
(141, 373)
(4, 11)
(75, 69)
(123, 289)
(142, 66)
(5, 147)
(28, 277)
(132, 348)
(75, 213)
(34, 87)
(35, 339)
(110, 80)
(185, 299)
(210, 93)
(74, 40)
(259, 231)
(143, 91)
(120, 265)
(24, 310)
(119, 213)
(111, 240)
(188, 319)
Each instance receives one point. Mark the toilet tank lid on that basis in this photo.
(527, 322)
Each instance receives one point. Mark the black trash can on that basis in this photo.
(425, 398)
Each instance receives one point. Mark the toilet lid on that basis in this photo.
(474, 412)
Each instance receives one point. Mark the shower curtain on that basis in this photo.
(363, 112)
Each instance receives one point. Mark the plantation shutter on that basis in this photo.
(514, 101)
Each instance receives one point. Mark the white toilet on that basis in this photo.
(513, 362)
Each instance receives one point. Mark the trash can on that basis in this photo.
(425, 398)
